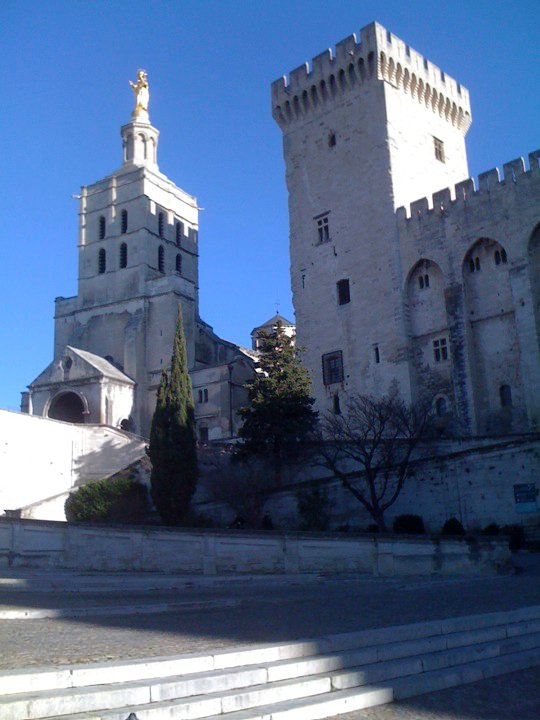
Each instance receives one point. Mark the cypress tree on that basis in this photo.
(173, 449)
(280, 418)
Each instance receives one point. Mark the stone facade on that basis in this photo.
(442, 296)
(138, 263)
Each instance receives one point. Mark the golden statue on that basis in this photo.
(142, 96)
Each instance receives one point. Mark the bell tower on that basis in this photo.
(138, 261)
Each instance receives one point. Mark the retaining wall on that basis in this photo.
(31, 543)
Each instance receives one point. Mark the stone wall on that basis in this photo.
(41, 459)
(25, 543)
(471, 479)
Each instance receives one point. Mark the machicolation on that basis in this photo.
(379, 55)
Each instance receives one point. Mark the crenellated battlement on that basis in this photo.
(451, 200)
(379, 56)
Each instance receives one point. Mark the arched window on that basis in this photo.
(440, 406)
(504, 256)
(123, 255)
(497, 257)
(505, 395)
(179, 233)
(423, 281)
(102, 261)
(161, 224)
(161, 259)
(102, 227)
(124, 222)
(179, 264)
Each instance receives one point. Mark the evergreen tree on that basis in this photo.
(173, 450)
(280, 418)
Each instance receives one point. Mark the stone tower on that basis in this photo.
(365, 130)
(440, 297)
(138, 260)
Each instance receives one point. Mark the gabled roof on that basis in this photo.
(85, 365)
(104, 367)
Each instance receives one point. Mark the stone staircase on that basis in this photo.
(300, 680)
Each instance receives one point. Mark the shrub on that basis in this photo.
(491, 529)
(118, 499)
(409, 524)
(313, 508)
(452, 527)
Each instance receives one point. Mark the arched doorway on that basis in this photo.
(67, 407)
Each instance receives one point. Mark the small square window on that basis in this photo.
(439, 149)
(323, 229)
(343, 292)
(332, 365)
(440, 350)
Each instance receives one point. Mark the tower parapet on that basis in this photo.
(444, 203)
(378, 55)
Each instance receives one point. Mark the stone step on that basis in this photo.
(170, 692)
(140, 608)
(427, 682)
(458, 631)
(256, 681)
(55, 581)
(231, 680)
(306, 708)
(424, 664)
(262, 682)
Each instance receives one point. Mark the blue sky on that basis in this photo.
(65, 69)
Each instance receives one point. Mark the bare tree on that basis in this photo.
(369, 448)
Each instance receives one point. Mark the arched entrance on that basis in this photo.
(67, 407)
